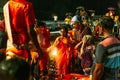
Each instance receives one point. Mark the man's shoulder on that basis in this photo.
(109, 41)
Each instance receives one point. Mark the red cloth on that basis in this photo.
(20, 53)
(2, 25)
(43, 62)
(21, 16)
(78, 76)
(43, 37)
(96, 32)
(64, 55)
(74, 76)
(44, 42)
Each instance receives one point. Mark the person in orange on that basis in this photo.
(64, 52)
(43, 36)
(19, 21)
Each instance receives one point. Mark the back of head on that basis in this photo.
(90, 39)
(14, 69)
(107, 23)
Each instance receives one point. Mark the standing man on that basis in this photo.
(107, 55)
(19, 21)
(79, 29)
(43, 36)
(78, 32)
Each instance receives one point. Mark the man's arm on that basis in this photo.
(99, 66)
(98, 71)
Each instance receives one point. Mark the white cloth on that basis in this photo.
(75, 19)
(8, 26)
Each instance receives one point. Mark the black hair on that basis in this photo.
(107, 23)
(40, 23)
(65, 27)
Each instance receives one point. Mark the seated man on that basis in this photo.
(14, 69)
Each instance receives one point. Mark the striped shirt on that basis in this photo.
(108, 53)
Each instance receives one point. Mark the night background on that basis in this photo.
(44, 9)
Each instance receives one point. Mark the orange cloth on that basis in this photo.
(20, 53)
(74, 76)
(71, 32)
(64, 55)
(21, 17)
(44, 37)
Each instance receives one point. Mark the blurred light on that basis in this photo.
(52, 52)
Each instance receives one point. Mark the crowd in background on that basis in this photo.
(73, 51)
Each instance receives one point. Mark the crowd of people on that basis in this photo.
(89, 48)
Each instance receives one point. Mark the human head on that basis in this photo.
(41, 24)
(75, 21)
(14, 69)
(89, 38)
(107, 23)
(64, 31)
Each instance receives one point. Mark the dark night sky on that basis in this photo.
(45, 8)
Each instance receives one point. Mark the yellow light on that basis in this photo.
(9, 55)
(52, 52)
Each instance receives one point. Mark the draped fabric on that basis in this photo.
(19, 15)
(44, 42)
(64, 55)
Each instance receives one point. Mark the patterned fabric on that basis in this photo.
(87, 59)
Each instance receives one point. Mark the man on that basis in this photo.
(78, 32)
(43, 36)
(19, 21)
(79, 29)
(107, 55)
